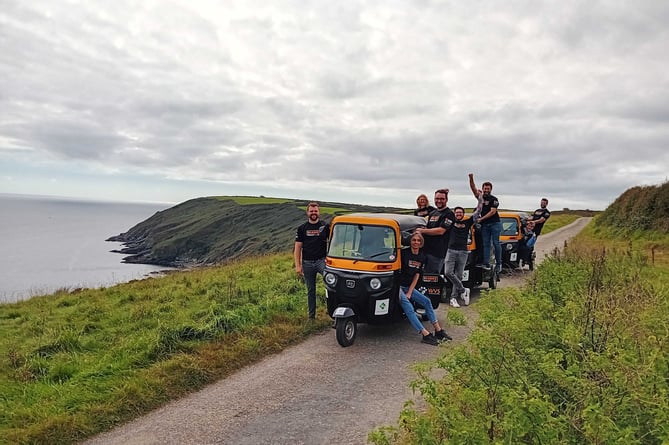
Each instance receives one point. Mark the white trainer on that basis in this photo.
(454, 302)
(465, 296)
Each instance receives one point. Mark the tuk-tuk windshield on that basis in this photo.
(509, 226)
(363, 242)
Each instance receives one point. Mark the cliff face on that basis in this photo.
(209, 231)
(213, 230)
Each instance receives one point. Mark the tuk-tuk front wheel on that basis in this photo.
(347, 329)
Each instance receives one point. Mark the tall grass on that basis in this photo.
(73, 364)
(579, 356)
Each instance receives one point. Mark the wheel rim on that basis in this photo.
(349, 330)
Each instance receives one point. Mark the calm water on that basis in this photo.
(53, 243)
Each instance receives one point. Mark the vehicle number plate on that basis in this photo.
(465, 275)
(382, 307)
(514, 256)
(339, 311)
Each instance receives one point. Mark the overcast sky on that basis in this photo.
(365, 102)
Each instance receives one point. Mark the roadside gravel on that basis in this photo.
(313, 393)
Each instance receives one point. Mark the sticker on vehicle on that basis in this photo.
(382, 307)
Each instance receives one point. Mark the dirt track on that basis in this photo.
(313, 393)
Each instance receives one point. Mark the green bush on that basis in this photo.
(579, 356)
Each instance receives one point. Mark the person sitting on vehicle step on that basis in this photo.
(526, 244)
(456, 256)
(413, 260)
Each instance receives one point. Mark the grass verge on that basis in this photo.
(72, 365)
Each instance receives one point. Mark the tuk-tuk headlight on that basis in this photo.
(509, 246)
(330, 279)
(375, 283)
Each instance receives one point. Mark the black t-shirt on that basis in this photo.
(459, 234)
(490, 202)
(436, 245)
(411, 265)
(539, 213)
(314, 239)
(424, 211)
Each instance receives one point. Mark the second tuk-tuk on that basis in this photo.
(362, 270)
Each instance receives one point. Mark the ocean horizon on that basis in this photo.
(50, 243)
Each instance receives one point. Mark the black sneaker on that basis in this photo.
(442, 336)
(429, 339)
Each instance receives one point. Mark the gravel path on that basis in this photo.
(313, 393)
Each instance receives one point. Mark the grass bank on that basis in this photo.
(581, 355)
(72, 365)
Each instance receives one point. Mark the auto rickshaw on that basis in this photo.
(362, 270)
(511, 239)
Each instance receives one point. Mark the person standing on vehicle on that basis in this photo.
(456, 256)
(491, 226)
(540, 216)
(413, 260)
(424, 207)
(310, 250)
(436, 232)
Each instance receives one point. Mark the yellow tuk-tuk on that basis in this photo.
(362, 270)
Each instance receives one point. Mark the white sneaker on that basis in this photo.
(465, 296)
(454, 302)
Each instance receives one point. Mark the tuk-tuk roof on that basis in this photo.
(406, 222)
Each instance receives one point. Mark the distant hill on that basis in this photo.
(214, 230)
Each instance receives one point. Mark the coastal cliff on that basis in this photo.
(213, 230)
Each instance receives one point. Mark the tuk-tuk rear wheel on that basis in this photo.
(347, 329)
(492, 283)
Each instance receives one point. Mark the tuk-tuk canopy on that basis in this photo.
(405, 222)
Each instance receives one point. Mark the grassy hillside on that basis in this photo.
(73, 364)
(214, 230)
(644, 208)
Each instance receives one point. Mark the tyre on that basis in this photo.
(445, 295)
(492, 283)
(347, 329)
(530, 262)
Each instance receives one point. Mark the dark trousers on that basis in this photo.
(311, 269)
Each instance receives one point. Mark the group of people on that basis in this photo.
(439, 247)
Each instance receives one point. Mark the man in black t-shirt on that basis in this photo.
(456, 257)
(491, 225)
(436, 233)
(310, 250)
(540, 216)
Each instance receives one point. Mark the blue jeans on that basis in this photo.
(456, 260)
(490, 235)
(420, 300)
(311, 268)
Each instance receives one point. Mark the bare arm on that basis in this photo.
(477, 211)
(490, 214)
(297, 256)
(472, 185)
(434, 231)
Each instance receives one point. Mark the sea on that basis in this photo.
(52, 243)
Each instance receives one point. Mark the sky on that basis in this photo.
(369, 102)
